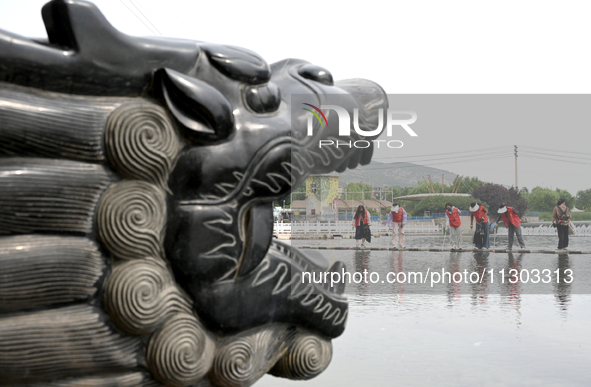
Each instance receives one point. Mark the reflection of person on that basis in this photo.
(561, 219)
(562, 287)
(512, 221)
(454, 223)
(397, 219)
(361, 217)
(479, 212)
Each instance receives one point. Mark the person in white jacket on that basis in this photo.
(396, 220)
(454, 223)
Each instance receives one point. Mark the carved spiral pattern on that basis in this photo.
(235, 365)
(130, 219)
(180, 353)
(141, 142)
(307, 357)
(140, 295)
(239, 362)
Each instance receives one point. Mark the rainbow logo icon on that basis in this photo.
(317, 110)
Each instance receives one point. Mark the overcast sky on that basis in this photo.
(411, 47)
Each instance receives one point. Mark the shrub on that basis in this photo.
(495, 194)
(437, 204)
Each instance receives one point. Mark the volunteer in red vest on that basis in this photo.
(480, 213)
(512, 222)
(454, 223)
(396, 220)
(361, 217)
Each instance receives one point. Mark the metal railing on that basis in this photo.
(374, 218)
(346, 228)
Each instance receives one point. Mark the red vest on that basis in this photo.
(397, 216)
(361, 219)
(479, 213)
(454, 218)
(510, 216)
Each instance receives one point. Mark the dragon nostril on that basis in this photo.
(263, 98)
(316, 73)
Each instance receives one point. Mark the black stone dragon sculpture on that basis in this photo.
(137, 177)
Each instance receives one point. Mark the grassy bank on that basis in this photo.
(546, 216)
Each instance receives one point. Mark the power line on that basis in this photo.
(555, 155)
(550, 159)
(175, 15)
(454, 156)
(148, 20)
(484, 154)
(447, 153)
(555, 150)
(140, 19)
(456, 159)
(468, 187)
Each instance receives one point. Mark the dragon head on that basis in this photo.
(168, 155)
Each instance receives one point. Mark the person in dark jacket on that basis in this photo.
(561, 220)
(361, 217)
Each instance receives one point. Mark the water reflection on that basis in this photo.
(532, 242)
(454, 289)
(482, 274)
(481, 266)
(397, 267)
(508, 274)
(486, 333)
(562, 288)
(362, 266)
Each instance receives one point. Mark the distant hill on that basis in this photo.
(393, 174)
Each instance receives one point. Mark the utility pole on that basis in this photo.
(442, 183)
(516, 185)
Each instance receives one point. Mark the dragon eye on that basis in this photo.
(263, 98)
(316, 73)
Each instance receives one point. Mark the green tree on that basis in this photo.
(464, 185)
(524, 192)
(469, 184)
(297, 194)
(584, 200)
(420, 188)
(357, 191)
(542, 199)
(570, 199)
(406, 191)
(495, 194)
(437, 204)
(393, 192)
